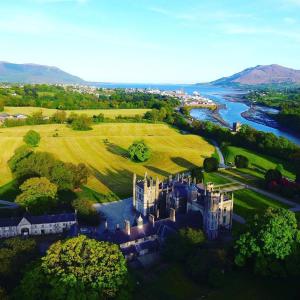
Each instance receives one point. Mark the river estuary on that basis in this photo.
(231, 110)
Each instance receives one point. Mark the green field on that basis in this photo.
(215, 178)
(103, 149)
(248, 202)
(108, 113)
(259, 163)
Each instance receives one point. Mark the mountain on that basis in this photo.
(32, 73)
(262, 75)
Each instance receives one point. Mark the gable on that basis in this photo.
(23, 222)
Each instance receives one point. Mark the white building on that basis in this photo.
(36, 225)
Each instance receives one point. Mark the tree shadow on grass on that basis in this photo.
(118, 182)
(258, 168)
(117, 150)
(182, 162)
(158, 171)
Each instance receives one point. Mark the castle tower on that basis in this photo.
(134, 191)
(218, 210)
(146, 195)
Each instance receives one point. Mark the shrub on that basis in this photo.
(86, 212)
(273, 175)
(241, 161)
(80, 122)
(139, 151)
(32, 138)
(210, 164)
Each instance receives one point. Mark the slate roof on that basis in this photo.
(163, 228)
(44, 219)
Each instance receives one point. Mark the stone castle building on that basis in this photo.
(183, 195)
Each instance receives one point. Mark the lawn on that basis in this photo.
(108, 113)
(259, 163)
(103, 149)
(215, 178)
(248, 202)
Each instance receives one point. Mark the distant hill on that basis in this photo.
(32, 73)
(262, 75)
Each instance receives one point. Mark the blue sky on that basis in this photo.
(153, 41)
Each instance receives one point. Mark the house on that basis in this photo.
(36, 225)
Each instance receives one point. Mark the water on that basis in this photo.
(230, 113)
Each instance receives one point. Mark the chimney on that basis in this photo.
(105, 225)
(152, 220)
(127, 227)
(157, 213)
(173, 214)
(140, 222)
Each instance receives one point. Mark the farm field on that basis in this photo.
(258, 163)
(108, 113)
(103, 150)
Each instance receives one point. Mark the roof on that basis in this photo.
(162, 228)
(45, 219)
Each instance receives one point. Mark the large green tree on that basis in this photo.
(32, 138)
(271, 238)
(139, 151)
(183, 244)
(77, 268)
(15, 253)
(210, 164)
(241, 161)
(27, 164)
(38, 195)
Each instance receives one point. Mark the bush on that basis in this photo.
(139, 151)
(32, 138)
(80, 122)
(210, 164)
(273, 175)
(241, 161)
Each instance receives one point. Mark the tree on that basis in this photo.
(273, 175)
(139, 151)
(210, 164)
(80, 174)
(38, 194)
(32, 138)
(298, 176)
(270, 239)
(86, 212)
(182, 244)
(81, 122)
(76, 268)
(198, 174)
(241, 161)
(15, 253)
(59, 117)
(19, 154)
(1, 105)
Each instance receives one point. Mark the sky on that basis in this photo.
(151, 41)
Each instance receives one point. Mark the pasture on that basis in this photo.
(108, 113)
(103, 149)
